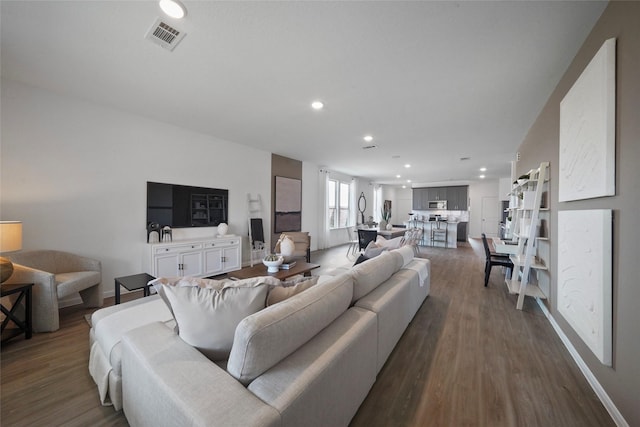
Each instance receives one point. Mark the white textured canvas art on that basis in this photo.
(587, 130)
(585, 277)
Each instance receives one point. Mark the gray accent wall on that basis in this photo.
(621, 20)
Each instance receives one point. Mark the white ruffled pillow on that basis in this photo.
(373, 250)
(390, 244)
(208, 311)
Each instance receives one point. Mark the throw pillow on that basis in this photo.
(207, 316)
(281, 293)
(394, 243)
(360, 259)
(373, 250)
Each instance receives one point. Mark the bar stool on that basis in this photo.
(439, 234)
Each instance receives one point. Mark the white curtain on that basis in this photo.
(324, 240)
(377, 203)
(353, 203)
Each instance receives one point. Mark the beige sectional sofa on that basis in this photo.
(309, 360)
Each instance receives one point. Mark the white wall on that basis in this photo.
(477, 191)
(504, 188)
(402, 206)
(75, 173)
(311, 202)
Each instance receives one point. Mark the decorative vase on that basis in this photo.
(286, 246)
(382, 225)
(222, 229)
(389, 226)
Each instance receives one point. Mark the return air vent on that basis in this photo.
(369, 146)
(164, 35)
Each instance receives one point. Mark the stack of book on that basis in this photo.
(287, 265)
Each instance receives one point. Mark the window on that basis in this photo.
(339, 196)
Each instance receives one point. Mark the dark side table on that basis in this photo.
(133, 283)
(24, 291)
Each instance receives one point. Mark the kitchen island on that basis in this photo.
(438, 233)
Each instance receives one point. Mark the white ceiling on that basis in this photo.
(431, 81)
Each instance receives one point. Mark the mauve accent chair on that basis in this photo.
(56, 275)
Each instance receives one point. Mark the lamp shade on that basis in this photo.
(10, 236)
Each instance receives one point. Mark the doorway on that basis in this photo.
(490, 213)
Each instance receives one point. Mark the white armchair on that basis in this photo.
(56, 275)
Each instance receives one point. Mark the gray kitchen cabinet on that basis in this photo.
(462, 232)
(417, 199)
(457, 198)
(436, 193)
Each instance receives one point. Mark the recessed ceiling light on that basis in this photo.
(407, 165)
(173, 8)
(481, 176)
(368, 138)
(404, 186)
(408, 180)
(483, 169)
(398, 176)
(317, 105)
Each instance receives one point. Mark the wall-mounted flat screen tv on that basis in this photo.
(180, 206)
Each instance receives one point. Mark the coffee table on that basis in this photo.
(301, 267)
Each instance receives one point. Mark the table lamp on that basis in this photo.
(10, 241)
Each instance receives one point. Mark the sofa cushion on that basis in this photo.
(207, 317)
(407, 254)
(281, 293)
(324, 382)
(368, 275)
(264, 338)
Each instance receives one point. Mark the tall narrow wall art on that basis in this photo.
(587, 130)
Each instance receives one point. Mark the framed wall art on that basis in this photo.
(288, 204)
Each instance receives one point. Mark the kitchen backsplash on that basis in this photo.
(461, 216)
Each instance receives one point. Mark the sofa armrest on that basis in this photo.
(167, 382)
(45, 296)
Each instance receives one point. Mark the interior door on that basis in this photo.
(490, 216)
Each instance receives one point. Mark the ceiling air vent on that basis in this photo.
(164, 35)
(368, 146)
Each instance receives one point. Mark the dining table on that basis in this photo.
(392, 233)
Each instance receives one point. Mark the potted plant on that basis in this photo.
(386, 216)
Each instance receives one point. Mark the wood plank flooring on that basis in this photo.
(468, 358)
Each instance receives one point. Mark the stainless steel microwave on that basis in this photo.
(438, 204)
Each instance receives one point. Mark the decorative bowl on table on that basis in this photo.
(272, 262)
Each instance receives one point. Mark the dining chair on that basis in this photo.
(366, 236)
(353, 241)
(493, 259)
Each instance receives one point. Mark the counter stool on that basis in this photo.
(439, 234)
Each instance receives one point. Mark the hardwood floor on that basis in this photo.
(468, 358)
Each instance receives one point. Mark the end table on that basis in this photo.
(26, 326)
(132, 283)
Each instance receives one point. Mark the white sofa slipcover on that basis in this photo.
(309, 360)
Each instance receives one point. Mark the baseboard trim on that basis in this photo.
(591, 379)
